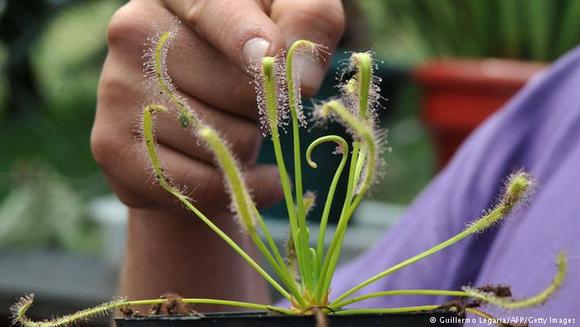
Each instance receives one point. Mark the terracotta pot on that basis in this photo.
(460, 94)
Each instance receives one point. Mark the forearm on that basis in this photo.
(177, 253)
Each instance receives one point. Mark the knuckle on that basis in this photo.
(123, 26)
(132, 199)
(245, 139)
(261, 188)
(110, 153)
(111, 88)
(230, 34)
(209, 190)
(103, 147)
(256, 189)
(195, 11)
(109, 147)
(328, 13)
(245, 96)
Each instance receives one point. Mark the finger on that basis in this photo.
(121, 156)
(243, 136)
(240, 29)
(120, 87)
(196, 67)
(132, 179)
(320, 21)
(264, 184)
(199, 70)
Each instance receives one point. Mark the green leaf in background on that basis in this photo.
(510, 37)
(570, 27)
(539, 25)
(520, 29)
(478, 13)
(65, 55)
(43, 210)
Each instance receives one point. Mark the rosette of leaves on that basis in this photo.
(304, 275)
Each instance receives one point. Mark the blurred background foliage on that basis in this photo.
(408, 31)
(44, 210)
(47, 103)
(51, 52)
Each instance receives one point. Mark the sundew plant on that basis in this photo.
(303, 274)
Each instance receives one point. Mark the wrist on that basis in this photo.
(173, 252)
(164, 234)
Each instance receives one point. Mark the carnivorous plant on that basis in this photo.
(303, 276)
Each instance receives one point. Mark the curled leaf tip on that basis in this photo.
(535, 300)
(157, 74)
(350, 88)
(272, 95)
(361, 93)
(322, 111)
(519, 186)
(18, 309)
(299, 53)
(155, 108)
(341, 147)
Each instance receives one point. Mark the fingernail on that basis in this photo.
(311, 72)
(254, 50)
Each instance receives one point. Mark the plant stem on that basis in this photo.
(293, 94)
(343, 145)
(363, 77)
(387, 310)
(243, 204)
(272, 112)
(537, 299)
(295, 230)
(282, 272)
(320, 288)
(518, 186)
(337, 305)
(244, 207)
(166, 184)
(293, 98)
(241, 199)
(494, 214)
(183, 199)
(365, 73)
(160, 68)
(358, 162)
(362, 131)
(25, 303)
(271, 242)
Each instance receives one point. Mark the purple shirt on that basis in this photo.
(539, 131)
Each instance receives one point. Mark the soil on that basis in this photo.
(173, 306)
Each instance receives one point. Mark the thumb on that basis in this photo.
(240, 29)
(320, 21)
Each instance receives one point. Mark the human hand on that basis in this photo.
(209, 65)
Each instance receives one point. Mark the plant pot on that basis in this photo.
(262, 319)
(460, 94)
